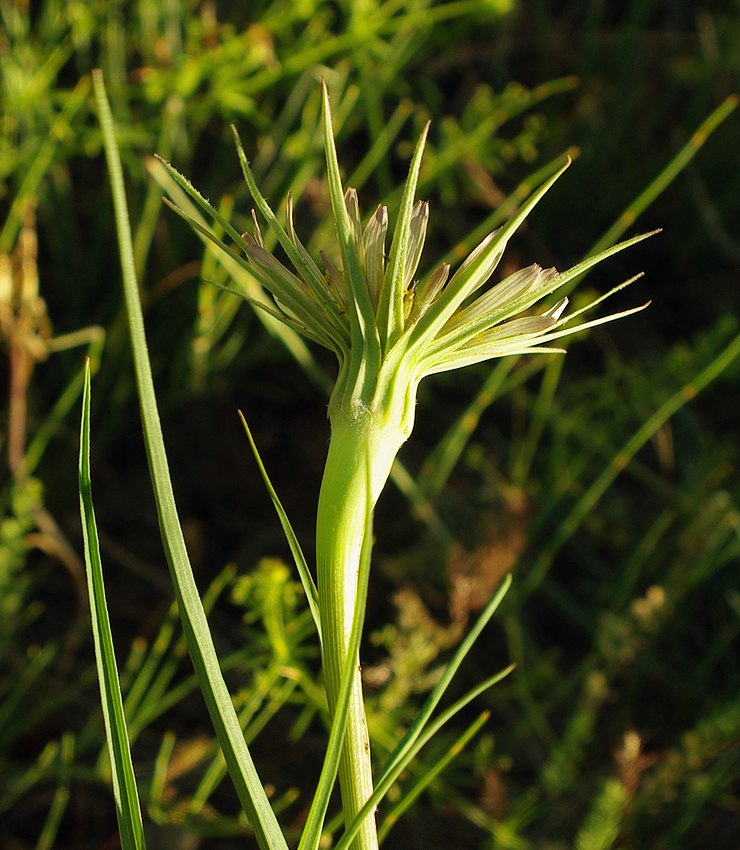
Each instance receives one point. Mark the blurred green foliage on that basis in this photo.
(607, 482)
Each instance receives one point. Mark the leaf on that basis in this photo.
(202, 651)
(421, 731)
(124, 781)
(290, 535)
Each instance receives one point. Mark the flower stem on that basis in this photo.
(361, 445)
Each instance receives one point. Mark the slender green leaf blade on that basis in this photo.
(292, 539)
(362, 316)
(410, 796)
(477, 268)
(390, 311)
(421, 731)
(433, 700)
(391, 773)
(669, 173)
(195, 625)
(124, 781)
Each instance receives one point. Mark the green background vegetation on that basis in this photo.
(606, 480)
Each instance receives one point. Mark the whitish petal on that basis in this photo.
(468, 357)
(337, 285)
(373, 240)
(486, 310)
(293, 295)
(582, 326)
(308, 259)
(257, 232)
(353, 209)
(417, 234)
(527, 326)
(557, 310)
(427, 292)
(475, 271)
(522, 332)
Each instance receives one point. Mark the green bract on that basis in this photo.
(374, 311)
(380, 307)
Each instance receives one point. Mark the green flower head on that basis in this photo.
(386, 325)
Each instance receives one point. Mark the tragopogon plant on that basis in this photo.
(388, 330)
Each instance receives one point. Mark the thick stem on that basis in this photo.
(360, 444)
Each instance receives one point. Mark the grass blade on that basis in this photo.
(295, 547)
(668, 174)
(195, 625)
(591, 497)
(421, 731)
(436, 695)
(410, 797)
(124, 781)
(61, 795)
(400, 763)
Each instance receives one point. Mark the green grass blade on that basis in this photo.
(295, 547)
(61, 796)
(41, 164)
(588, 501)
(450, 671)
(668, 174)
(124, 781)
(421, 731)
(195, 625)
(410, 797)
(436, 695)
(656, 188)
(390, 775)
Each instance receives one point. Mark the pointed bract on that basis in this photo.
(374, 305)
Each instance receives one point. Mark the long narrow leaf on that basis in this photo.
(305, 309)
(390, 312)
(360, 307)
(585, 505)
(410, 796)
(290, 535)
(389, 776)
(195, 625)
(477, 268)
(299, 258)
(249, 287)
(436, 695)
(421, 731)
(124, 781)
(668, 174)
